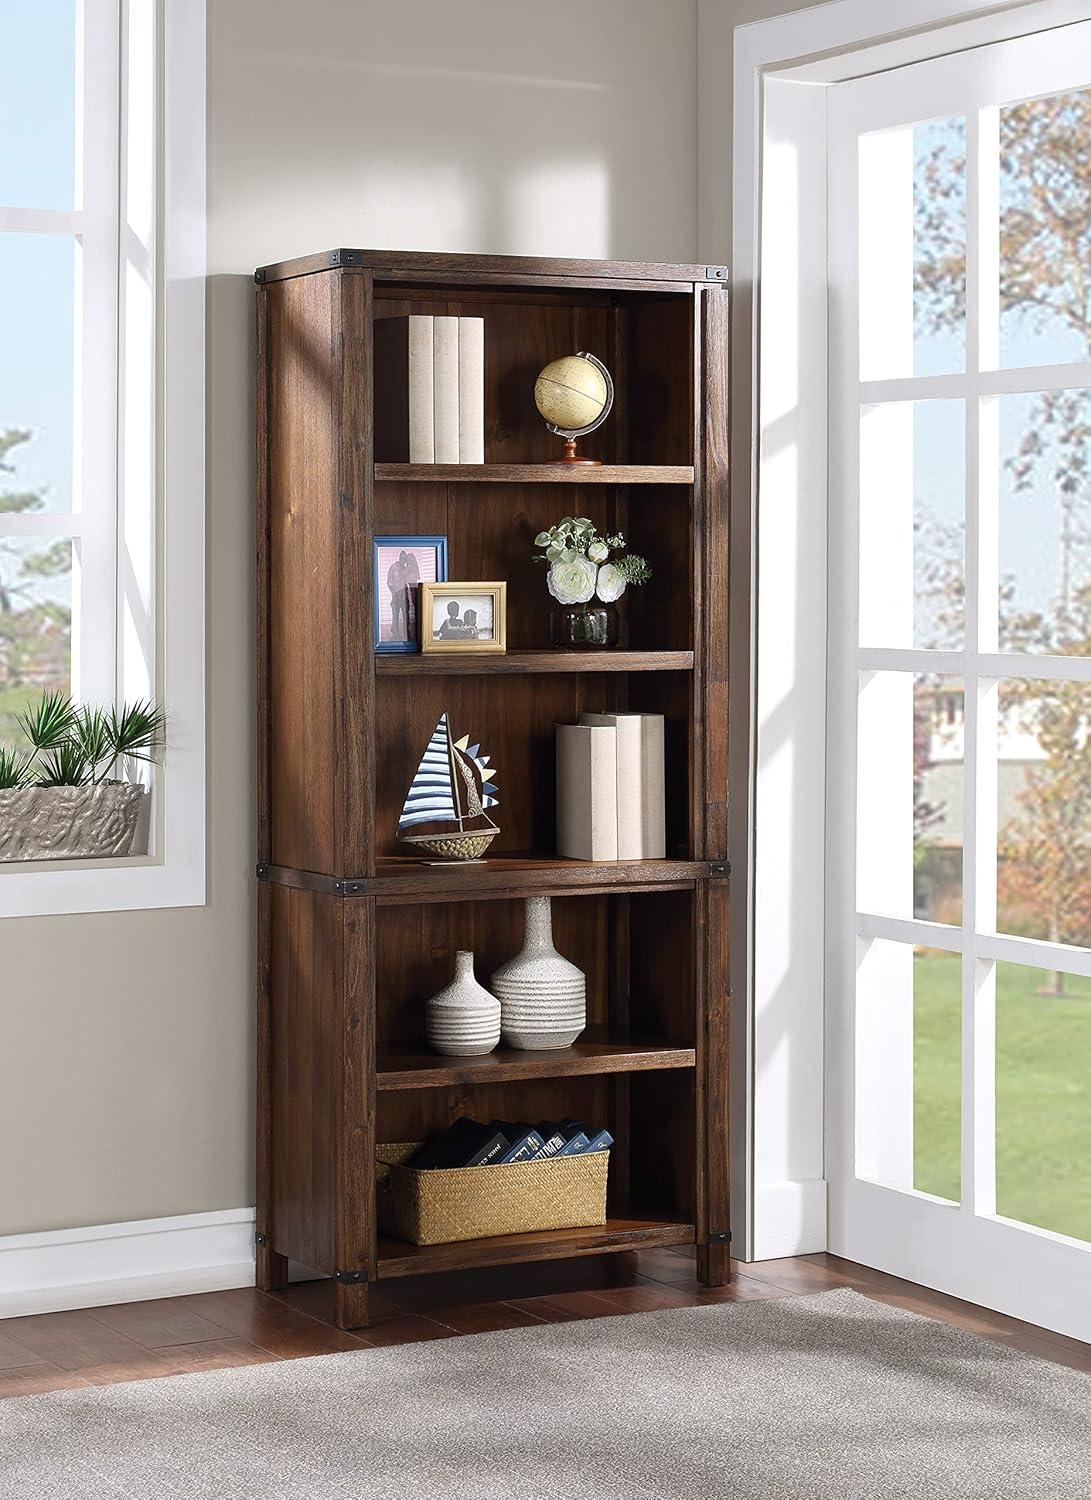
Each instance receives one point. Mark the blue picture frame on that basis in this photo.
(436, 544)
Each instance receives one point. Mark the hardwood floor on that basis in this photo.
(214, 1330)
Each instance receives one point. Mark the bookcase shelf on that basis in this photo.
(623, 1232)
(537, 473)
(353, 934)
(424, 1070)
(523, 663)
(402, 879)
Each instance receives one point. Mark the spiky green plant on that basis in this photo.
(81, 746)
(92, 735)
(64, 765)
(49, 722)
(14, 768)
(136, 733)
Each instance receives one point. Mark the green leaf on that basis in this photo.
(543, 539)
(49, 722)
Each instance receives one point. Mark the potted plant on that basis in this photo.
(66, 796)
(587, 575)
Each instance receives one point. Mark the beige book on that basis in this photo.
(445, 387)
(471, 390)
(653, 793)
(641, 805)
(586, 791)
(630, 839)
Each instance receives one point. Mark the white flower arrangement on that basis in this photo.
(579, 562)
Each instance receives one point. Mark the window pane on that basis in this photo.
(913, 250)
(37, 103)
(37, 372)
(939, 247)
(1045, 522)
(908, 1068)
(1043, 1099)
(910, 797)
(912, 524)
(937, 1073)
(1044, 810)
(1045, 230)
(35, 622)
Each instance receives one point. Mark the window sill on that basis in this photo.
(55, 887)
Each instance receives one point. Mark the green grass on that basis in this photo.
(1043, 1093)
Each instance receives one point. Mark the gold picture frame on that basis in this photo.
(459, 633)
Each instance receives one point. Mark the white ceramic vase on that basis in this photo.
(464, 1019)
(543, 997)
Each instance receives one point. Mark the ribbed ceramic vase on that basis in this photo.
(464, 1019)
(543, 998)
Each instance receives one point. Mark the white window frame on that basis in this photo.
(870, 1117)
(142, 515)
(779, 503)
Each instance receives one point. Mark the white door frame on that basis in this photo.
(779, 410)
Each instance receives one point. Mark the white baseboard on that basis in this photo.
(789, 1218)
(61, 1269)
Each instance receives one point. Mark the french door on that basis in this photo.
(959, 751)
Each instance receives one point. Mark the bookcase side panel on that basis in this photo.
(301, 543)
(306, 969)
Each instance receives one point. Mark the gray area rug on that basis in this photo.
(809, 1397)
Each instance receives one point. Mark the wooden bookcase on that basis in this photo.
(353, 936)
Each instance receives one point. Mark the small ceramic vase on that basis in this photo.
(543, 997)
(463, 1020)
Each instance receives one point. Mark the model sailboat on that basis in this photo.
(454, 784)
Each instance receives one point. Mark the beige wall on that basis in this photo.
(717, 20)
(567, 128)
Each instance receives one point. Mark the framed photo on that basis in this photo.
(400, 564)
(464, 616)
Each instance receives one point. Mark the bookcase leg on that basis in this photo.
(351, 1304)
(272, 1270)
(713, 1265)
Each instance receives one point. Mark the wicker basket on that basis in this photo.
(438, 1206)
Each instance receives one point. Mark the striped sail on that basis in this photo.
(431, 796)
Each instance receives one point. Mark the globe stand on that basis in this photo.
(572, 457)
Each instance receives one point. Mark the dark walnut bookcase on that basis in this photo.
(353, 936)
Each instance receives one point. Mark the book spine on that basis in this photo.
(576, 1145)
(471, 390)
(422, 435)
(586, 792)
(524, 1149)
(445, 388)
(630, 817)
(652, 787)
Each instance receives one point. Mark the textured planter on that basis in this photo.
(73, 822)
(464, 1019)
(543, 997)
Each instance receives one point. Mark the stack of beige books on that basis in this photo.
(610, 800)
(430, 389)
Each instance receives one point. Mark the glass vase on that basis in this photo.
(591, 626)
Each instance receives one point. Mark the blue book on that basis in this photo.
(524, 1147)
(602, 1140)
(552, 1136)
(576, 1138)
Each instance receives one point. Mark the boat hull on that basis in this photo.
(453, 845)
